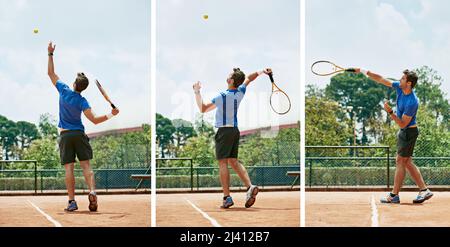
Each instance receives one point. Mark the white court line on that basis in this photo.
(205, 215)
(49, 218)
(374, 218)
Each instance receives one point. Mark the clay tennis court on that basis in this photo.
(48, 211)
(363, 209)
(276, 209)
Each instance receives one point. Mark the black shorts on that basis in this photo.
(74, 144)
(227, 142)
(406, 140)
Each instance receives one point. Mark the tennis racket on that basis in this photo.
(325, 68)
(105, 95)
(279, 100)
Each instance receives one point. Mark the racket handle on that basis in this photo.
(271, 77)
(350, 70)
(113, 106)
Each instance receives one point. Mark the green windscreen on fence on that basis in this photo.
(341, 166)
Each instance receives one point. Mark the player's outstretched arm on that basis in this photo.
(99, 119)
(51, 67)
(375, 77)
(199, 100)
(254, 75)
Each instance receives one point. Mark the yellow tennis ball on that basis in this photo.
(35, 30)
(205, 17)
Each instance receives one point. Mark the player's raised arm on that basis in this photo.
(375, 77)
(51, 67)
(99, 119)
(254, 75)
(199, 100)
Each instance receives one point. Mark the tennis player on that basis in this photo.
(73, 142)
(405, 118)
(227, 136)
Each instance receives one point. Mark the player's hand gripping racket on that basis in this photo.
(279, 100)
(325, 68)
(105, 95)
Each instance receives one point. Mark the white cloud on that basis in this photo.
(385, 37)
(191, 49)
(391, 23)
(105, 47)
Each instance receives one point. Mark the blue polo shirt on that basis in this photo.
(71, 105)
(227, 104)
(406, 104)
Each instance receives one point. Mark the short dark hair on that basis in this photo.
(411, 76)
(238, 77)
(81, 83)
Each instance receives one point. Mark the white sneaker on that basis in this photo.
(251, 196)
(423, 196)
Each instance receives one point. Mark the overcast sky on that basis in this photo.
(107, 39)
(251, 35)
(385, 36)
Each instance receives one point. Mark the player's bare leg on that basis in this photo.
(252, 190)
(224, 176)
(70, 185)
(424, 193)
(399, 177)
(70, 180)
(415, 174)
(400, 173)
(241, 171)
(225, 181)
(90, 181)
(88, 174)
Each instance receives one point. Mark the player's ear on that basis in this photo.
(409, 83)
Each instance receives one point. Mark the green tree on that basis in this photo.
(429, 92)
(28, 132)
(47, 126)
(164, 134)
(183, 131)
(203, 127)
(201, 149)
(255, 150)
(8, 137)
(359, 93)
(434, 138)
(323, 126)
(45, 151)
(129, 150)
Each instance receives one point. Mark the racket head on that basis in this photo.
(325, 68)
(280, 102)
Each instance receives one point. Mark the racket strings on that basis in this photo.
(280, 102)
(324, 68)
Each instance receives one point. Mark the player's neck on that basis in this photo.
(407, 91)
(231, 87)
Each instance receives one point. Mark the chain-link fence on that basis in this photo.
(113, 164)
(339, 166)
(181, 173)
(267, 160)
(13, 178)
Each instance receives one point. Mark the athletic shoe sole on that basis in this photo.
(227, 206)
(70, 210)
(252, 199)
(424, 199)
(397, 202)
(92, 202)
